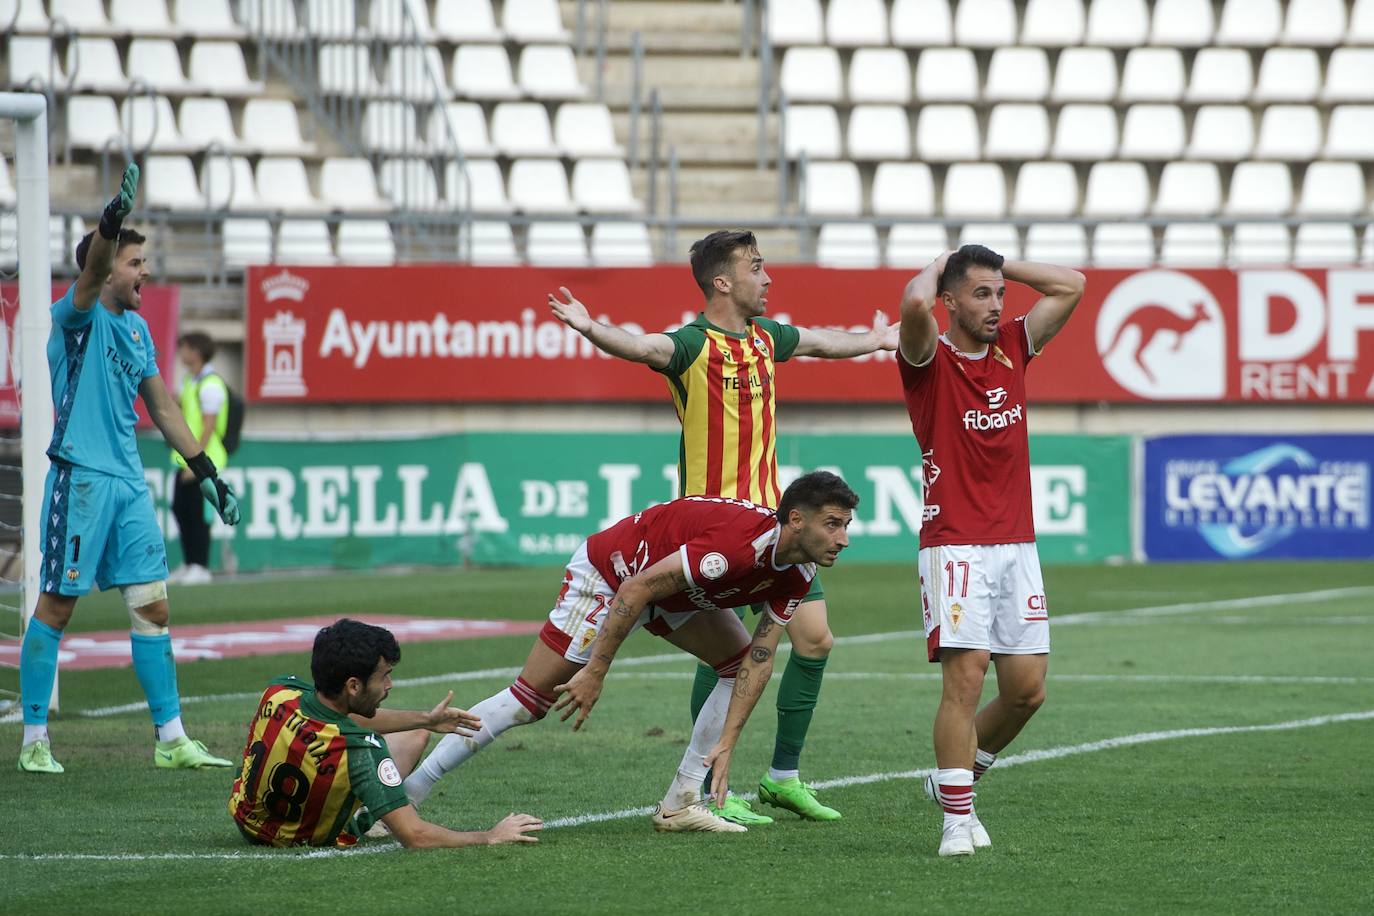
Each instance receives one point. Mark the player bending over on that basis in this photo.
(675, 569)
(315, 753)
(982, 596)
(98, 518)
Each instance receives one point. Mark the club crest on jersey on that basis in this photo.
(135, 335)
(73, 575)
(956, 614)
(713, 566)
(388, 774)
(761, 346)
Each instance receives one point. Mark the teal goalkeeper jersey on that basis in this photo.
(97, 360)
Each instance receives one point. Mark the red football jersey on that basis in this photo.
(727, 548)
(969, 416)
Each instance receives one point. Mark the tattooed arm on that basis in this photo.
(661, 580)
(753, 677)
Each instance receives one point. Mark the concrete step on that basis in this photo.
(664, 27)
(714, 191)
(719, 138)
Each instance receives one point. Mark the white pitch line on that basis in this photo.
(1031, 756)
(1284, 679)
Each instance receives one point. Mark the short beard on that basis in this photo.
(977, 332)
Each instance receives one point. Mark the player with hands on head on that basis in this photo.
(99, 523)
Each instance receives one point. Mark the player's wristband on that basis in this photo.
(110, 220)
(202, 466)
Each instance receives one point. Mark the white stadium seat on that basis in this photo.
(207, 19)
(390, 127)
(415, 73)
(585, 129)
(204, 122)
(487, 242)
(1084, 75)
(832, 189)
(1224, 132)
(149, 123)
(1182, 23)
(276, 18)
(533, 20)
(466, 129)
(985, 23)
(813, 129)
(811, 75)
(550, 72)
(83, 17)
(93, 65)
(229, 184)
(1220, 75)
(1046, 189)
(1250, 23)
(1017, 131)
(1288, 75)
(1290, 132)
(246, 241)
(157, 63)
(282, 184)
(349, 184)
(522, 129)
(169, 182)
(478, 187)
(33, 57)
(1053, 23)
(879, 75)
(1350, 75)
(386, 19)
(1361, 32)
(1332, 189)
(1018, 75)
(1152, 75)
(852, 245)
(366, 241)
(922, 23)
(855, 23)
(1002, 238)
(346, 69)
(1191, 245)
(879, 132)
(27, 15)
(616, 244)
(1152, 132)
(483, 72)
(1188, 189)
(304, 241)
(551, 244)
(915, 244)
(603, 186)
(1117, 189)
(947, 75)
(975, 190)
(1260, 189)
(1325, 245)
(7, 196)
(336, 19)
(272, 125)
(1123, 245)
(147, 18)
(1057, 243)
(1350, 133)
(1086, 132)
(1255, 244)
(801, 25)
(1320, 23)
(409, 183)
(903, 189)
(1118, 23)
(220, 66)
(540, 186)
(946, 133)
(465, 20)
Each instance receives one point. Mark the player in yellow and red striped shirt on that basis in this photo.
(721, 373)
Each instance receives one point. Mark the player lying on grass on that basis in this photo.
(315, 754)
(675, 569)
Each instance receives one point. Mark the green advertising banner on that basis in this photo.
(531, 498)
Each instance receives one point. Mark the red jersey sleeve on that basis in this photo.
(722, 551)
(1015, 336)
(782, 609)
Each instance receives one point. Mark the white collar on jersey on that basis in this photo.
(949, 343)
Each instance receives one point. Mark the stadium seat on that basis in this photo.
(1250, 23)
(533, 20)
(156, 63)
(903, 189)
(1017, 131)
(467, 129)
(150, 124)
(207, 19)
(1123, 245)
(945, 133)
(366, 241)
(1223, 132)
(603, 186)
(1182, 23)
(27, 15)
(921, 23)
(1087, 132)
(975, 190)
(1350, 133)
(800, 26)
(386, 19)
(228, 184)
(466, 20)
(1325, 244)
(1057, 243)
(245, 241)
(814, 129)
(915, 244)
(1290, 132)
(1260, 189)
(7, 196)
(522, 129)
(483, 72)
(550, 244)
(1332, 189)
(1318, 23)
(985, 23)
(1084, 75)
(1018, 75)
(1118, 189)
(204, 122)
(585, 129)
(947, 75)
(169, 182)
(550, 72)
(1152, 132)
(487, 242)
(616, 244)
(31, 57)
(478, 187)
(282, 184)
(1152, 75)
(390, 127)
(1002, 238)
(1260, 243)
(540, 186)
(272, 125)
(880, 75)
(1192, 245)
(855, 23)
(275, 18)
(331, 19)
(83, 17)
(1045, 189)
(1288, 75)
(852, 245)
(832, 189)
(93, 66)
(1053, 23)
(1188, 189)
(1350, 75)
(346, 69)
(219, 65)
(1117, 23)
(1361, 32)
(145, 18)
(811, 75)
(415, 74)
(878, 132)
(304, 241)
(349, 184)
(1220, 75)
(409, 183)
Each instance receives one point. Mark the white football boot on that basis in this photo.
(957, 840)
(693, 817)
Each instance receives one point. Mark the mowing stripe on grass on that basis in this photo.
(1032, 756)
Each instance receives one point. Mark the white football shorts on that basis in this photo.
(984, 596)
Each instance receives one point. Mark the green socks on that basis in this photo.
(797, 695)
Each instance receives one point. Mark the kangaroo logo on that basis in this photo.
(1160, 335)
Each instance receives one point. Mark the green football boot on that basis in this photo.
(738, 811)
(185, 754)
(36, 757)
(797, 797)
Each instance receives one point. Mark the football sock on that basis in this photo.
(157, 675)
(778, 775)
(37, 671)
(170, 731)
(954, 790)
(702, 686)
(691, 773)
(797, 696)
(518, 704)
(981, 761)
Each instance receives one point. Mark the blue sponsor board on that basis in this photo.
(1238, 497)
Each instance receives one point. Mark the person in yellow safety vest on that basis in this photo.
(205, 404)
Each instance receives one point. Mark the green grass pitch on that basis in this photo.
(1197, 811)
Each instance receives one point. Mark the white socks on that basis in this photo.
(34, 733)
(779, 775)
(170, 731)
(954, 788)
(686, 787)
(498, 713)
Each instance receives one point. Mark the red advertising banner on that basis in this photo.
(458, 333)
(161, 308)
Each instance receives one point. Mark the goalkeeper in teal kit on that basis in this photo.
(98, 525)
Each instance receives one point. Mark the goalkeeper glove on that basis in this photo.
(121, 205)
(215, 491)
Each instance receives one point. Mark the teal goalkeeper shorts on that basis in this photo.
(817, 593)
(98, 529)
